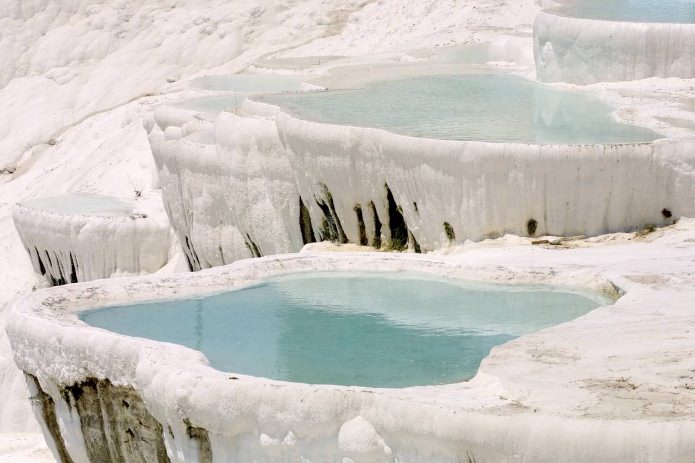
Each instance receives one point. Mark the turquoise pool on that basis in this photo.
(485, 107)
(651, 11)
(367, 329)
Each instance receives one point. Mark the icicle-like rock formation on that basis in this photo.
(81, 237)
(263, 182)
(584, 51)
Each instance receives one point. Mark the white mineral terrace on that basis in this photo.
(594, 389)
(254, 188)
(167, 104)
(81, 237)
(584, 51)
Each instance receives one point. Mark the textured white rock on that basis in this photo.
(70, 247)
(357, 438)
(219, 193)
(584, 51)
(63, 54)
(24, 448)
(60, 56)
(389, 25)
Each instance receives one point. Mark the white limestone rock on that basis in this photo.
(584, 51)
(74, 238)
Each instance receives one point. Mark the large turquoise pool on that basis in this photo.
(367, 329)
(485, 107)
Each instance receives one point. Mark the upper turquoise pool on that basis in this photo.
(648, 11)
(367, 329)
(484, 107)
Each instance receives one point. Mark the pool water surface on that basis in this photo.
(482, 107)
(366, 329)
(648, 11)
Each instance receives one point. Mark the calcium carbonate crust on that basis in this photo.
(585, 51)
(208, 415)
(67, 248)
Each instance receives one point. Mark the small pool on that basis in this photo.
(475, 53)
(485, 107)
(367, 329)
(240, 87)
(650, 11)
(250, 83)
(81, 203)
(212, 105)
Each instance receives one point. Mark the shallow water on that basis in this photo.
(240, 86)
(477, 53)
(485, 107)
(249, 83)
(81, 203)
(368, 329)
(213, 105)
(652, 11)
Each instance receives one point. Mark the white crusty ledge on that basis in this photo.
(80, 237)
(585, 51)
